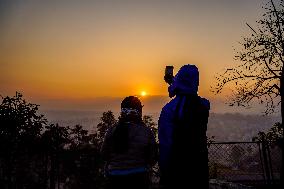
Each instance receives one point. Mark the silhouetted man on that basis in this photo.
(182, 133)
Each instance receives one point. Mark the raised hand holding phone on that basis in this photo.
(169, 74)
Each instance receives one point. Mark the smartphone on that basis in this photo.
(169, 74)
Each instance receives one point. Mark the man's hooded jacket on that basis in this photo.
(181, 112)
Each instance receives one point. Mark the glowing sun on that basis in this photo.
(143, 93)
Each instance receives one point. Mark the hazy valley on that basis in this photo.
(224, 126)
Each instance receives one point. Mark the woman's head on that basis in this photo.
(131, 109)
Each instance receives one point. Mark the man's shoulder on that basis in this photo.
(170, 105)
(205, 102)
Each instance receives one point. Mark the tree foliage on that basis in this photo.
(273, 136)
(149, 122)
(79, 137)
(20, 135)
(256, 77)
(20, 122)
(38, 154)
(55, 137)
(107, 121)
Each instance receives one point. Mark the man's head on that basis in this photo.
(186, 81)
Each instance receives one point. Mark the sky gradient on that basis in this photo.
(92, 49)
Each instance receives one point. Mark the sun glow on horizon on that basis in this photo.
(143, 93)
(107, 50)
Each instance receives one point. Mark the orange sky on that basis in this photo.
(67, 49)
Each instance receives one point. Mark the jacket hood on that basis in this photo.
(186, 81)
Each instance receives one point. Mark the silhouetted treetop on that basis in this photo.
(20, 122)
(260, 60)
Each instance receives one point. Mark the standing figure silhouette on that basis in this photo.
(129, 149)
(182, 130)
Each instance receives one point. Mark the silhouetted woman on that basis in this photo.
(129, 148)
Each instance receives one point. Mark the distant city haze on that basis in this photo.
(224, 126)
(151, 104)
(90, 54)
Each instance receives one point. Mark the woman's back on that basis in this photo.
(140, 150)
(129, 148)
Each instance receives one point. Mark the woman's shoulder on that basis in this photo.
(109, 131)
(141, 127)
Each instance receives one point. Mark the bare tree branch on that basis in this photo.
(257, 75)
(251, 28)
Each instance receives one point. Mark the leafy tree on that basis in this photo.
(85, 164)
(21, 124)
(54, 139)
(149, 122)
(259, 73)
(20, 129)
(107, 121)
(79, 136)
(273, 136)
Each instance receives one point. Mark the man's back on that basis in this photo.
(189, 150)
(182, 132)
